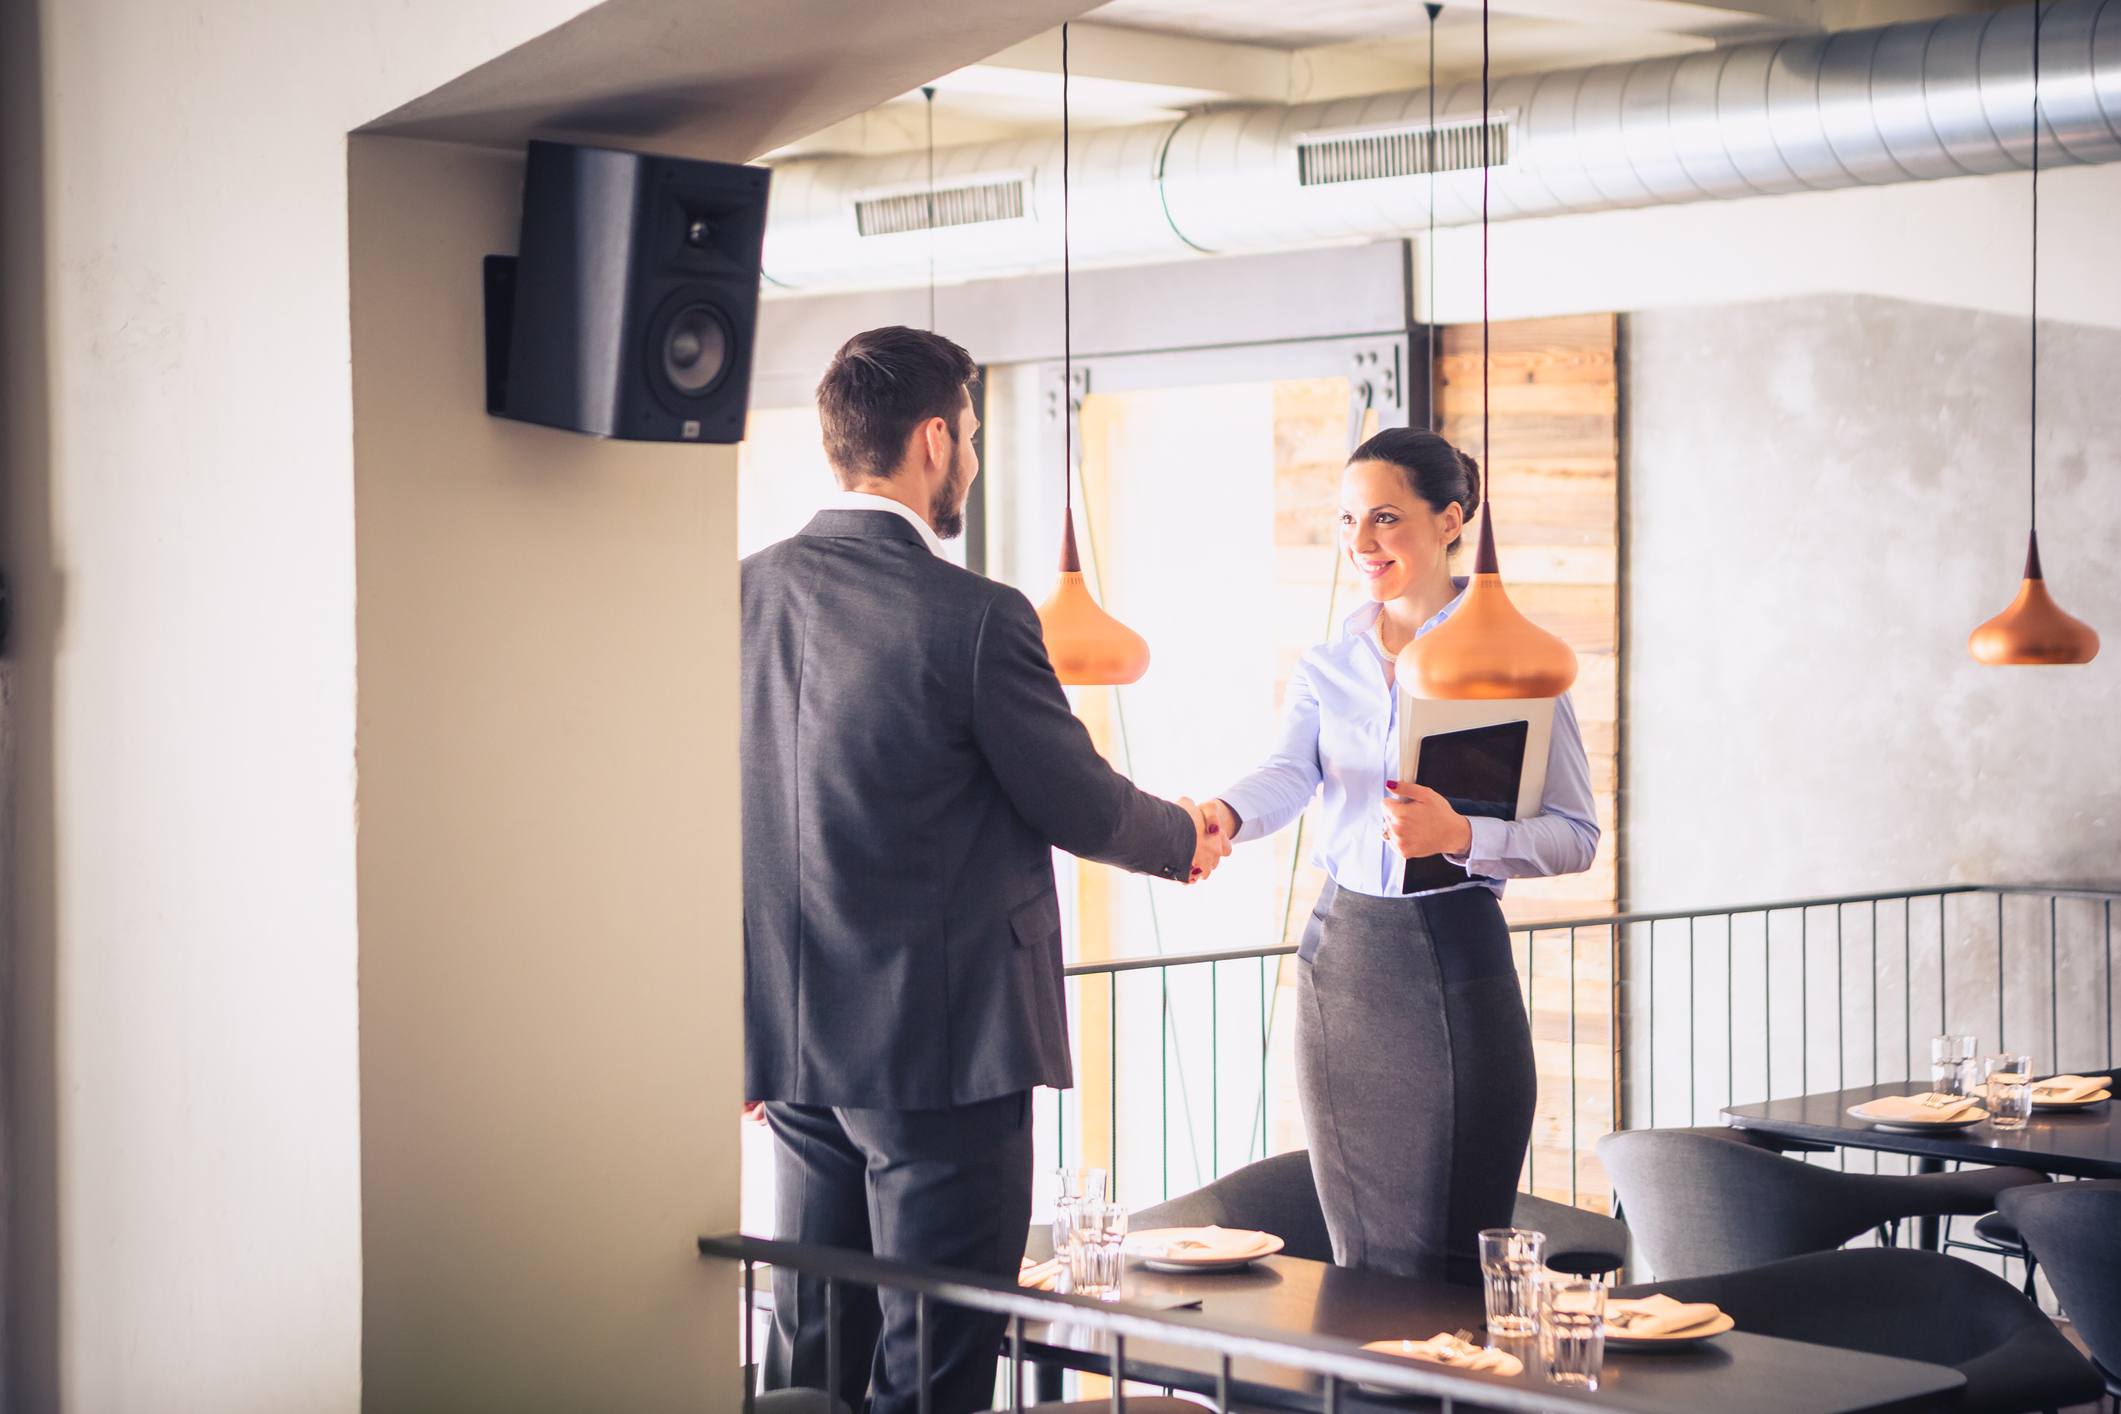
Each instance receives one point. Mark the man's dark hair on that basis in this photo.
(880, 386)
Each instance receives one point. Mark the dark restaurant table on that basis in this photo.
(2072, 1143)
(1735, 1373)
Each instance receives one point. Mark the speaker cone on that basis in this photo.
(695, 349)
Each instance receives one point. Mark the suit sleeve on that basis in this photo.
(1046, 763)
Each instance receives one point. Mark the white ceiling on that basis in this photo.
(1143, 61)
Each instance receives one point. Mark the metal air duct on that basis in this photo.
(1907, 102)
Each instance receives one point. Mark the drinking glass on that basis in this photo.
(1510, 1262)
(1097, 1233)
(1571, 1329)
(2010, 1091)
(1952, 1064)
(1074, 1186)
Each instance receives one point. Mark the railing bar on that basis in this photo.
(751, 1316)
(1907, 988)
(1572, 1068)
(2109, 984)
(1132, 964)
(1332, 1394)
(1874, 1005)
(2000, 1015)
(1222, 1385)
(1841, 1007)
(2054, 994)
(1016, 1364)
(923, 1356)
(1112, 1079)
(1163, 1062)
(1060, 1128)
(1651, 1024)
(1693, 1056)
(1119, 1373)
(1767, 1006)
(1215, 1073)
(1266, 1039)
(1730, 1029)
(1531, 975)
(1804, 1001)
(1944, 990)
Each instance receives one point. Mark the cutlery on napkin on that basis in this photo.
(2068, 1089)
(1929, 1106)
(1453, 1350)
(1633, 1318)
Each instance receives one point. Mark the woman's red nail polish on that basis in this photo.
(1391, 785)
(1215, 829)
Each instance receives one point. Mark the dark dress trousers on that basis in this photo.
(910, 762)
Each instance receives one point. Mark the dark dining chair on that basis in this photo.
(1706, 1200)
(1913, 1304)
(2075, 1230)
(1995, 1235)
(1278, 1195)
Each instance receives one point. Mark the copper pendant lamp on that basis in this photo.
(2034, 630)
(1486, 649)
(1087, 645)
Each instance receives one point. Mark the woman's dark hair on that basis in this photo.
(880, 386)
(1433, 469)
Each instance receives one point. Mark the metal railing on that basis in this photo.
(1338, 1363)
(1691, 1011)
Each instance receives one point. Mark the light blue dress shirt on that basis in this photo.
(1340, 729)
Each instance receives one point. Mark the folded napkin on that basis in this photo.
(1201, 1244)
(1926, 1107)
(2068, 1089)
(1040, 1276)
(1656, 1314)
(1455, 1351)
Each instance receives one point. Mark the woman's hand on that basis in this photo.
(1420, 822)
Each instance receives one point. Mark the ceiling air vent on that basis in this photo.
(967, 203)
(1323, 159)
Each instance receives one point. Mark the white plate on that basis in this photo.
(1196, 1265)
(1672, 1340)
(2084, 1104)
(1965, 1120)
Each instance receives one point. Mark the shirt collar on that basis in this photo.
(1359, 623)
(865, 501)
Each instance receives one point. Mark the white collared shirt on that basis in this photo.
(865, 501)
(1340, 730)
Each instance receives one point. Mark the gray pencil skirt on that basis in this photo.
(1414, 1064)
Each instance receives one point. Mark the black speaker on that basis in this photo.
(630, 308)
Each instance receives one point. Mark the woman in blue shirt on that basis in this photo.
(1414, 1056)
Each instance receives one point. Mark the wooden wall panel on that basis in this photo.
(1553, 406)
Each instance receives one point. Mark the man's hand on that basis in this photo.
(1211, 840)
(1420, 822)
(755, 1111)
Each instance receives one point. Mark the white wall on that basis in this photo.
(183, 1149)
(548, 857)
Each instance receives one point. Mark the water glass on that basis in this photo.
(1952, 1065)
(2010, 1091)
(1571, 1329)
(1511, 1259)
(1097, 1233)
(1072, 1187)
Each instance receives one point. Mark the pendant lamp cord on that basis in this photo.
(2032, 460)
(929, 94)
(1067, 312)
(1434, 10)
(1487, 130)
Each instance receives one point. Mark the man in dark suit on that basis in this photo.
(910, 762)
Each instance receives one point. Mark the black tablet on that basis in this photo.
(1478, 770)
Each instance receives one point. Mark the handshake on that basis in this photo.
(1214, 825)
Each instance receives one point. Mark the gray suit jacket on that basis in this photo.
(910, 762)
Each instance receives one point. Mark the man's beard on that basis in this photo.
(946, 513)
